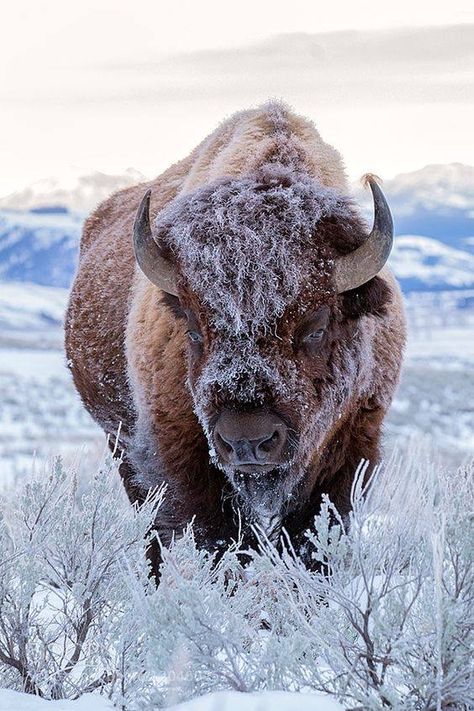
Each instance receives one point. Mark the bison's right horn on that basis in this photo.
(155, 267)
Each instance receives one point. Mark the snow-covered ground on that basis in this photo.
(16, 701)
(263, 701)
(220, 701)
(41, 414)
(26, 306)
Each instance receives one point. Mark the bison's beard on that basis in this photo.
(266, 497)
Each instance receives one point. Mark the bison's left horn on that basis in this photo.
(159, 270)
(365, 262)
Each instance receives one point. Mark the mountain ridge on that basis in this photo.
(447, 185)
(78, 192)
(433, 210)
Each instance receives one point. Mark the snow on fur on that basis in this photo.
(246, 246)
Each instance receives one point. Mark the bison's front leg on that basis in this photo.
(138, 496)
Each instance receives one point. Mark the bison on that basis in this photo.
(234, 321)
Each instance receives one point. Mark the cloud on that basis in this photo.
(389, 100)
(410, 65)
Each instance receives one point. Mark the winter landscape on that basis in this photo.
(198, 636)
(269, 598)
(433, 258)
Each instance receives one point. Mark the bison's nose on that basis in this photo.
(250, 440)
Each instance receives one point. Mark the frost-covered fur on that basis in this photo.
(246, 246)
(253, 220)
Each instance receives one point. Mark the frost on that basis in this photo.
(385, 623)
(250, 252)
(62, 604)
(247, 245)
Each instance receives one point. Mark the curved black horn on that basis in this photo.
(365, 262)
(148, 254)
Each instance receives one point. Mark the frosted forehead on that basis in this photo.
(247, 246)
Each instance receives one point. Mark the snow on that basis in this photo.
(41, 248)
(40, 365)
(40, 412)
(220, 701)
(263, 701)
(48, 230)
(25, 305)
(444, 342)
(41, 415)
(431, 262)
(432, 210)
(17, 701)
(49, 222)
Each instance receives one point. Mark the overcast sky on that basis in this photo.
(105, 85)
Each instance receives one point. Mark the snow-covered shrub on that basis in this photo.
(62, 598)
(391, 616)
(386, 622)
(213, 625)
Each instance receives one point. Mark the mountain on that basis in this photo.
(435, 187)
(29, 307)
(437, 200)
(39, 247)
(77, 193)
(40, 226)
(425, 264)
(433, 210)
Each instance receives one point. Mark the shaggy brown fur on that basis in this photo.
(132, 364)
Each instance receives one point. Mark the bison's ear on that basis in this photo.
(370, 298)
(149, 255)
(174, 305)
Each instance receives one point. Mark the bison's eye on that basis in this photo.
(194, 337)
(311, 333)
(314, 337)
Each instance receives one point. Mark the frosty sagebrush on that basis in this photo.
(386, 623)
(62, 604)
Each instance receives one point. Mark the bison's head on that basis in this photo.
(274, 276)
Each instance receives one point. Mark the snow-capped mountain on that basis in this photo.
(433, 210)
(446, 187)
(78, 193)
(27, 307)
(425, 264)
(434, 187)
(437, 200)
(39, 247)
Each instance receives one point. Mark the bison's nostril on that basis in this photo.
(269, 444)
(224, 444)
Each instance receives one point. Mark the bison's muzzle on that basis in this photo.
(251, 441)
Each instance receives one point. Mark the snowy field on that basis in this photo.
(219, 701)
